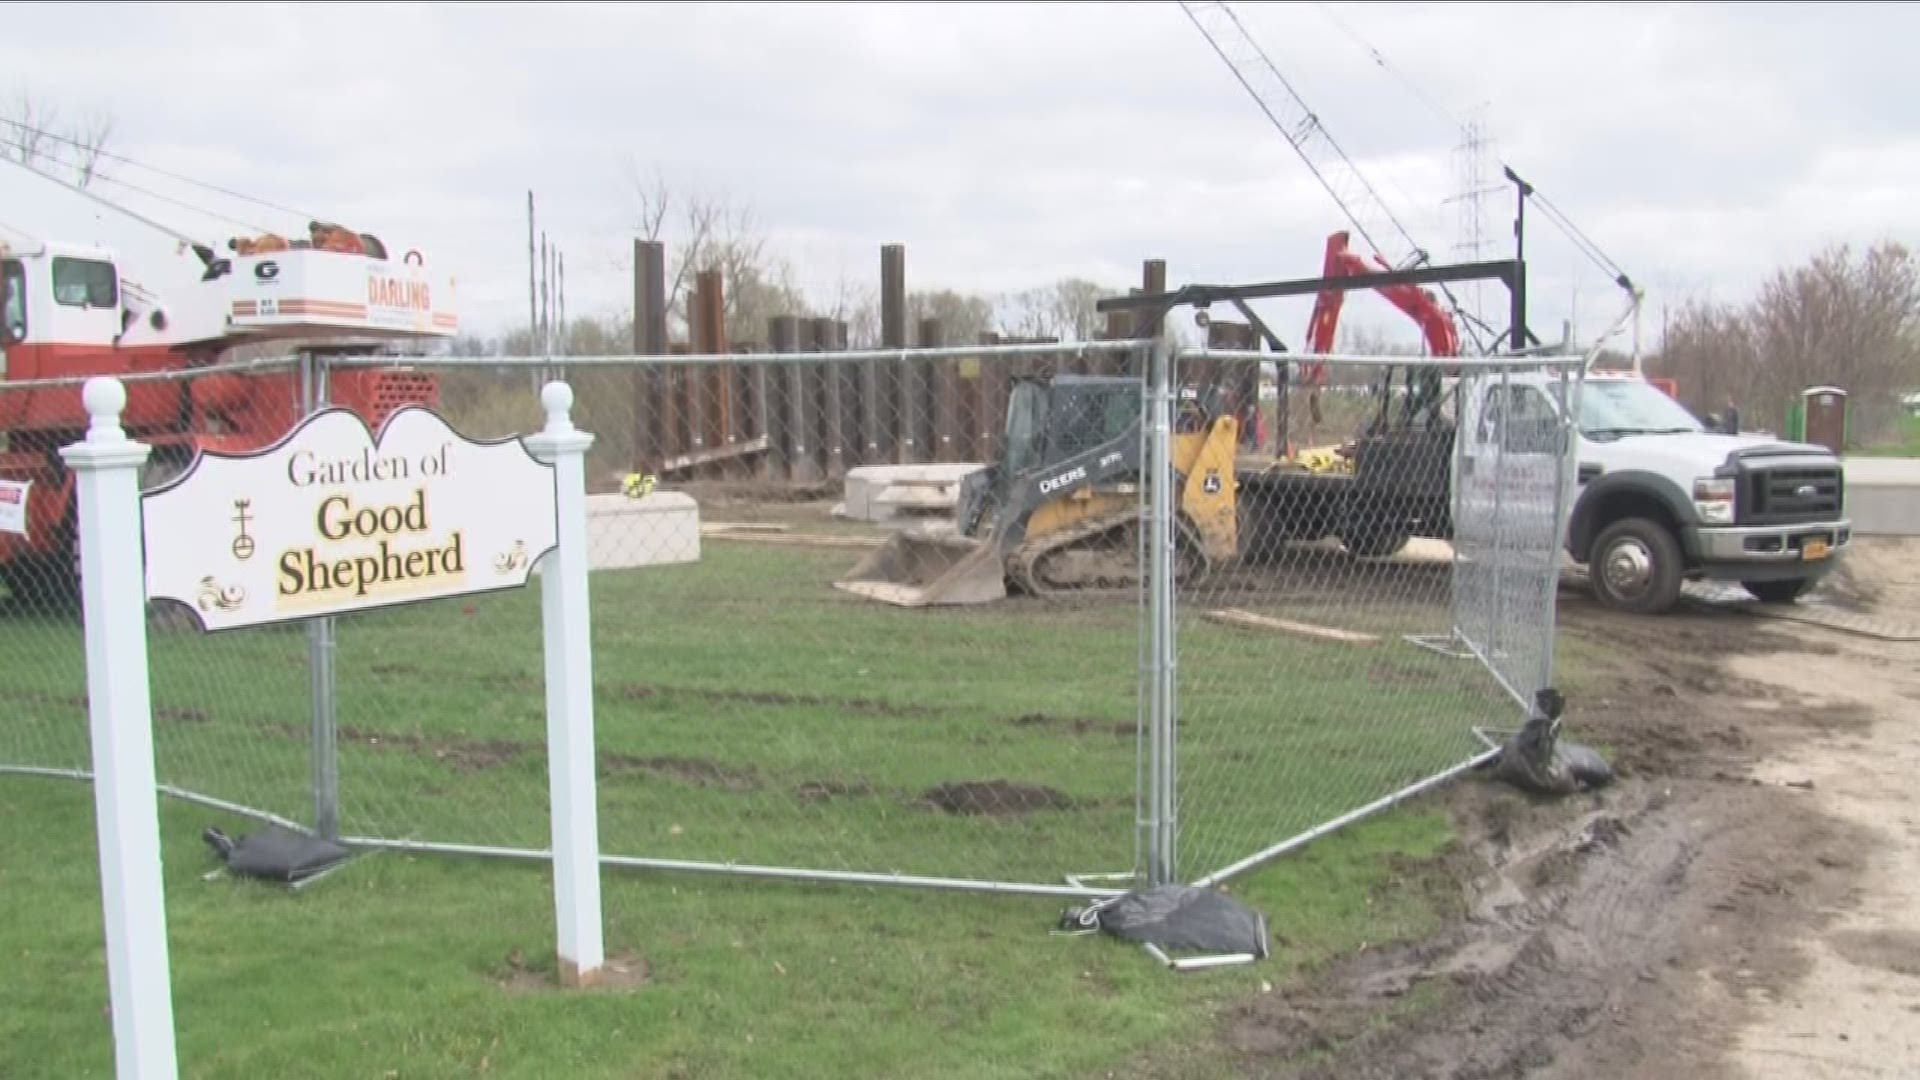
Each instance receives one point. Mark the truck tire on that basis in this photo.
(1778, 592)
(1636, 567)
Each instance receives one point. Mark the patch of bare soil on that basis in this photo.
(697, 771)
(1079, 725)
(819, 791)
(862, 706)
(458, 752)
(1583, 946)
(42, 697)
(995, 798)
(780, 499)
(508, 680)
(1740, 904)
(624, 971)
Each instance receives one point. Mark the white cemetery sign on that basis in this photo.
(333, 519)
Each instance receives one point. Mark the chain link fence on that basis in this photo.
(231, 712)
(888, 616)
(749, 714)
(1406, 550)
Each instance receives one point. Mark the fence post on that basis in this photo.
(1566, 476)
(1160, 618)
(120, 716)
(322, 646)
(569, 672)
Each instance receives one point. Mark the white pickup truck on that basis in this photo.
(1659, 499)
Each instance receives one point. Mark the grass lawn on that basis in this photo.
(746, 712)
(400, 966)
(1905, 443)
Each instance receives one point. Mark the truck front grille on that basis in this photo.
(1788, 495)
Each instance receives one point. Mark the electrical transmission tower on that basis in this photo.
(1472, 158)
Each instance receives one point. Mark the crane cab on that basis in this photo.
(67, 313)
(58, 298)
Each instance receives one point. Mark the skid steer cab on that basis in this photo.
(1060, 511)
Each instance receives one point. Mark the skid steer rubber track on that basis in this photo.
(1028, 565)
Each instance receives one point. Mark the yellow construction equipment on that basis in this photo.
(1062, 510)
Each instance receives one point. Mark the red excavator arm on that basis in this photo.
(1435, 324)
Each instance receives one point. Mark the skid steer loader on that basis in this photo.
(1060, 512)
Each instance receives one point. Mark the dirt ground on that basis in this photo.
(1743, 903)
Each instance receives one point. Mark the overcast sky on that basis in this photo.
(1008, 144)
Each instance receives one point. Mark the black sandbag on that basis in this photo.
(1185, 918)
(277, 854)
(1536, 761)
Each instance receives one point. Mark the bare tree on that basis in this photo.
(29, 130)
(1064, 310)
(963, 318)
(856, 305)
(1839, 320)
(33, 135)
(1847, 323)
(1709, 353)
(89, 141)
(710, 231)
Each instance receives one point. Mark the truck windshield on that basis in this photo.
(1612, 408)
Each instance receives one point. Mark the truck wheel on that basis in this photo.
(1635, 567)
(1778, 592)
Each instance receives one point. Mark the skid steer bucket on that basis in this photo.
(923, 571)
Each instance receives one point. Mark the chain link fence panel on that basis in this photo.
(1514, 490)
(231, 712)
(1338, 661)
(753, 709)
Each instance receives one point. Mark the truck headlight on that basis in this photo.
(1713, 498)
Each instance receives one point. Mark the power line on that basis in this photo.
(157, 170)
(1553, 214)
(130, 186)
(1352, 191)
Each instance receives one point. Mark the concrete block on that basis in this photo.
(1883, 496)
(892, 493)
(659, 529)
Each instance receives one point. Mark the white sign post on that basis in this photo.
(572, 787)
(120, 708)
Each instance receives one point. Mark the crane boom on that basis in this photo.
(1373, 221)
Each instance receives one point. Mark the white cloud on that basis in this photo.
(1006, 144)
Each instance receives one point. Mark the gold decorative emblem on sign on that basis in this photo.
(512, 559)
(212, 595)
(242, 543)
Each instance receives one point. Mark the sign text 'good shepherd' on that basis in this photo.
(332, 520)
